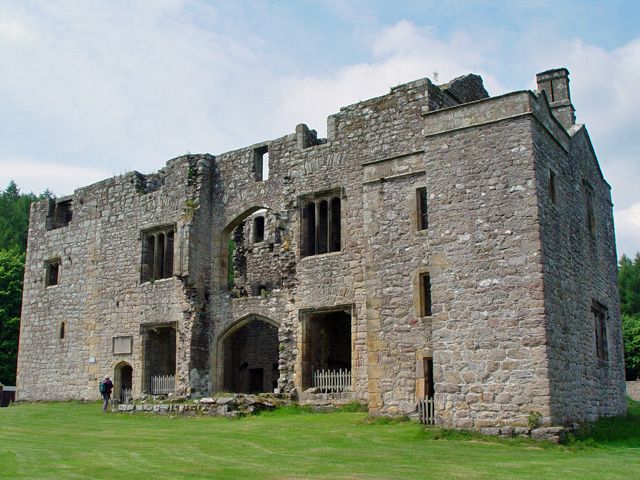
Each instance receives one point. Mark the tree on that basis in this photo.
(14, 227)
(629, 284)
(14, 216)
(631, 338)
(11, 273)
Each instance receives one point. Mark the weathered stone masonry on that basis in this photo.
(494, 291)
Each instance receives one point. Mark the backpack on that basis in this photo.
(102, 387)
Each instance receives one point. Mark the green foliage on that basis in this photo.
(354, 406)
(631, 338)
(14, 226)
(14, 217)
(629, 284)
(610, 432)
(533, 419)
(11, 273)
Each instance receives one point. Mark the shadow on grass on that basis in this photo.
(610, 432)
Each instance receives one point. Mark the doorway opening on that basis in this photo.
(250, 357)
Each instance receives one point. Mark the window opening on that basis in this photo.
(427, 377)
(321, 231)
(52, 272)
(425, 295)
(309, 218)
(334, 224)
(261, 164)
(590, 218)
(423, 217)
(600, 325)
(62, 330)
(157, 255)
(258, 229)
(60, 214)
(552, 186)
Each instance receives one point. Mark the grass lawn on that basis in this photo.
(78, 441)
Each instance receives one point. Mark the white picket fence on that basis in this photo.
(426, 411)
(125, 395)
(163, 384)
(333, 381)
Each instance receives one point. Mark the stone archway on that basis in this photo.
(122, 382)
(248, 356)
(221, 253)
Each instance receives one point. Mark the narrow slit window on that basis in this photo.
(258, 229)
(334, 232)
(423, 216)
(309, 214)
(552, 187)
(425, 295)
(62, 331)
(589, 212)
(322, 232)
(429, 389)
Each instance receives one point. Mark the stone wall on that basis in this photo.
(512, 275)
(633, 390)
(99, 295)
(579, 268)
(486, 276)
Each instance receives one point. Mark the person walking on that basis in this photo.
(105, 390)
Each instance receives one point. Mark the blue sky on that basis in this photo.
(91, 89)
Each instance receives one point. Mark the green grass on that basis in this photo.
(78, 441)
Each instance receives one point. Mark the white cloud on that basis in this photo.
(402, 52)
(628, 229)
(109, 87)
(35, 176)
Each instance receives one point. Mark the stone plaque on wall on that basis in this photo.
(121, 345)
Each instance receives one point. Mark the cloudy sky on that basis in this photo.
(91, 89)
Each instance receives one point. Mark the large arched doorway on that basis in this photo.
(123, 382)
(248, 356)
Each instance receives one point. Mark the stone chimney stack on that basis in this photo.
(555, 84)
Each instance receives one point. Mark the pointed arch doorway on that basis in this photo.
(248, 356)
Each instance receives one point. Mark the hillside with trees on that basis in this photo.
(14, 226)
(629, 281)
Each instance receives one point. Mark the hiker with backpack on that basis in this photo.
(105, 390)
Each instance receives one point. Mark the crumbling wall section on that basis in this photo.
(99, 295)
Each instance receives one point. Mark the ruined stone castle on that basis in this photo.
(438, 243)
